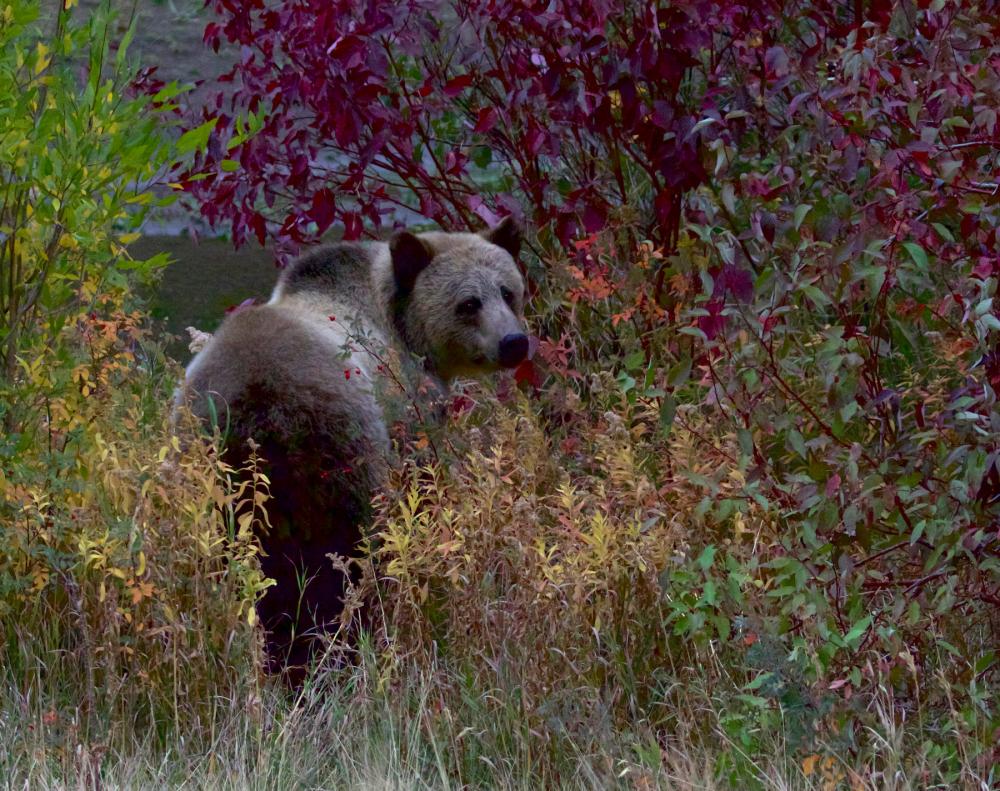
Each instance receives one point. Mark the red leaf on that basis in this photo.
(486, 120)
(484, 212)
(456, 85)
(527, 373)
(534, 139)
(322, 210)
(259, 225)
(352, 226)
(461, 404)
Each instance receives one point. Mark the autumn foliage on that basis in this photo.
(572, 115)
(744, 502)
(774, 223)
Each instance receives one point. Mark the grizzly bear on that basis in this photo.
(302, 376)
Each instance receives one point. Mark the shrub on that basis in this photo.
(575, 113)
(844, 290)
(75, 153)
(127, 564)
(803, 355)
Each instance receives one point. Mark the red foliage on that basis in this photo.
(463, 112)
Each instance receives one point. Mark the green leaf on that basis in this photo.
(817, 296)
(797, 443)
(482, 156)
(695, 332)
(706, 558)
(858, 629)
(679, 373)
(943, 232)
(196, 139)
(950, 649)
(800, 214)
(918, 254)
(759, 681)
(635, 360)
(668, 410)
(991, 321)
(168, 92)
(745, 439)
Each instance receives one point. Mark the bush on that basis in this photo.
(790, 357)
(575, 113)
(75, 152)
(844, 292)
(127, 564)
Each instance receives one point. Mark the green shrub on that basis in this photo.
(77, 151)
(127, 563)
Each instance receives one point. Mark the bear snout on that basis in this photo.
(513, 349)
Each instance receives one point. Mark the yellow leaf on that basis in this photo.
(141, 567)
(809, 764)
(244, 521)
(43, 58)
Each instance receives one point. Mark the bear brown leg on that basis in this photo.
(305, 602)
(321, 480)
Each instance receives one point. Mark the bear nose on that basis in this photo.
(513, 349)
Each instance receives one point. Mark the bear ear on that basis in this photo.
(410, 257)
(506, 235)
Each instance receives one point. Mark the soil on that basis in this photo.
(202, 281)
(168, 35)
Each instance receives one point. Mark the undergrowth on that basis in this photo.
(734, 526)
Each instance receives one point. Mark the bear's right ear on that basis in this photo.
(410, 257)
(506, 235)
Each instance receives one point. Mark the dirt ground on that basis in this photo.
(203, 280)
(168, 36)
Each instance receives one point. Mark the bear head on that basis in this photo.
(459, 299)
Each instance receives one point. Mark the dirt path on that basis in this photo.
(168, 36)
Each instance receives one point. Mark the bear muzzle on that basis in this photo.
(513, 350)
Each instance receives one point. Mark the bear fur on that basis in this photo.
(302, 376)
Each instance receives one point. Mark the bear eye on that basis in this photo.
(507, 294)
(468, 307)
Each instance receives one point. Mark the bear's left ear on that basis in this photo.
(506, 235)
(410, 257)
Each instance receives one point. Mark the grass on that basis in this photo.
(344, 731)
(495, 668)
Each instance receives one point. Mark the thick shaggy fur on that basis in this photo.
(301, 377)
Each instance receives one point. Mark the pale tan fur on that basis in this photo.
(293, 343)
